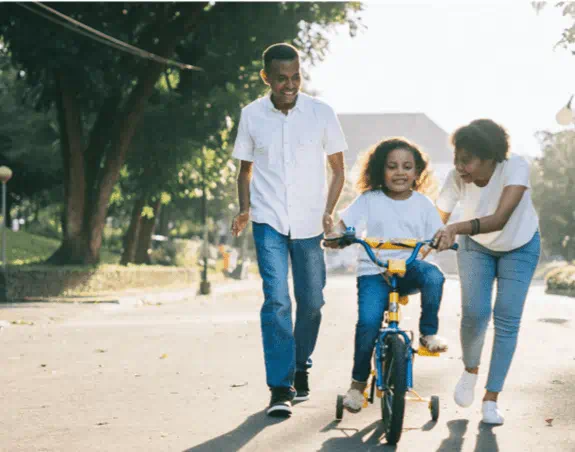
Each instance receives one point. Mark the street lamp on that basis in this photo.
(565, 115)
(5, 176)
(205, 288)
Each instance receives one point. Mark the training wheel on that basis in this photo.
(339, 408)
(434, 407)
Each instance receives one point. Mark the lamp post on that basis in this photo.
(205, 288)
(565, 115)
(5, 176)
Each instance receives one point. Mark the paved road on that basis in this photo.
(188, 376)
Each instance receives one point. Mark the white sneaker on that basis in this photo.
(465, 389)
(353, 400)
(434, 343)
(491, 414)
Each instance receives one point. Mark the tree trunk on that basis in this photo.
(133, 232)
(145, 236)
(90, 175)
(73, 249)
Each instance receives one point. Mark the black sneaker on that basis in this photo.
(301, 386)
(280, 403)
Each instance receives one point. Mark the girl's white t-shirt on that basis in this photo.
(375, 215)
(478, 202)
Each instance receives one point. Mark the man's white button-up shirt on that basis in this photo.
(288, 187)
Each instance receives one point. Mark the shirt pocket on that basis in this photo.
(264, 147)
(309, 146)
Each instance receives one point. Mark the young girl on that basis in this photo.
(390, 206)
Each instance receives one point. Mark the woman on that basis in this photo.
(499, 241)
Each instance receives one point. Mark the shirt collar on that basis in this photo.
(299, 103)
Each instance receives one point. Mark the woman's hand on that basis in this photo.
(445, 238)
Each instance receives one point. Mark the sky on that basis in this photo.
(455, 62)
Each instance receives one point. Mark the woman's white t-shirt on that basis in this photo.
(478, 202)
(375, 215)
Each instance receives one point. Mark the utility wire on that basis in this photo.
(98, 36)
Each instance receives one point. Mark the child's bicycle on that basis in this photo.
(392, 376)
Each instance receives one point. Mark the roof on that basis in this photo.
(363, 130)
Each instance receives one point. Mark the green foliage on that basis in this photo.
(553, 179)
(568, 35)
(28, 138)
(192, 116)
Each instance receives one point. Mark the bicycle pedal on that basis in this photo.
(423, 351)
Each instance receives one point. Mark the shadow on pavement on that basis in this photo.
(238, 437)
(454, 442)
(486, 440)
(353, 439)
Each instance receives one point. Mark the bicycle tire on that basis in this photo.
(395, 379)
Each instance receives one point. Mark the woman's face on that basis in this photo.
(400, 173)
(471, 168)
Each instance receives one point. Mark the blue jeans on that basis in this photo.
(479, 267)
(287, 349)
(373, 299)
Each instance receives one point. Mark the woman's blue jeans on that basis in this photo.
(287, 349)
(479, 267)
(373, 300)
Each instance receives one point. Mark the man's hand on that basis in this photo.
(240, 222)
(327, 223)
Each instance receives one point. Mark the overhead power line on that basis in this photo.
(98, 36)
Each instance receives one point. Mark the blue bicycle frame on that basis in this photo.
(349, 238)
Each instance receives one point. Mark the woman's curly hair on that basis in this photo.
(482, 138)
(372, 168)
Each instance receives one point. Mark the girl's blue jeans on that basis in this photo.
(479, 267)
(288, 348)
(373, 299)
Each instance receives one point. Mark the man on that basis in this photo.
(282, 142)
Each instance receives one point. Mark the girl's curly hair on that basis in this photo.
(373, 166)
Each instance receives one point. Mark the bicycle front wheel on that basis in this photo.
(395, 382)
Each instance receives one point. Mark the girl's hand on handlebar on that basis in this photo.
(444, 238)
(332, 241)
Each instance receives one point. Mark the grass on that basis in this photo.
(24, 248)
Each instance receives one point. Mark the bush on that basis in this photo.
(561, 279)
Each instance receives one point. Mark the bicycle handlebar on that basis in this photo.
(349, 238)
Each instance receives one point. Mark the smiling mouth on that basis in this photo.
(289, 93)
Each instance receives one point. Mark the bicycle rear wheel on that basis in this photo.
(395, 381)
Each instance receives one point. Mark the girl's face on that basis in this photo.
(471, 168)
(400, 173)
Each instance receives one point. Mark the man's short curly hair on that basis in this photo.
(482, 138)
(281, 51)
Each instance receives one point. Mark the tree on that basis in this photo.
(553, 179)
(28, 141)
(100, 94)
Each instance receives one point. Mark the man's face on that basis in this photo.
(284, 80)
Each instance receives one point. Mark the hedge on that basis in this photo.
(35, 281)
(561, 280)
